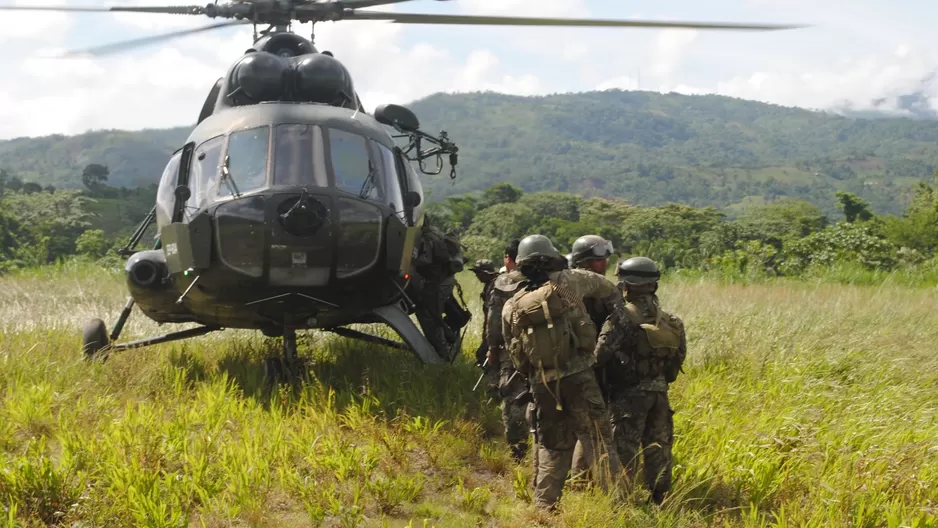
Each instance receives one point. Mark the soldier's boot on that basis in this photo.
(657, 496)
(518, 451)
(580, 475)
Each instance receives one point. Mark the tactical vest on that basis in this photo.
(549, 328)
(657, 342)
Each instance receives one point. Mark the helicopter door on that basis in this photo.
(164, 193)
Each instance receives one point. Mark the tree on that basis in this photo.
(500, 193)
(15, 184)
(49, 188)
(31, 188)
(854, 207)
(4, 176)
(92, 243)
(94, 177)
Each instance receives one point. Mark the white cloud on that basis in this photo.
(670, 47)
(165, 85)
(861, 82)
(26, 25)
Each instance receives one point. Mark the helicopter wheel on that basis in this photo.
(289, 367)
(94, 339)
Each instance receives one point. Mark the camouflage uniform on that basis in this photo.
(585, 250)
(582, 414)
(485, 272)
(637, 379)
(433, 284)
(510, 385)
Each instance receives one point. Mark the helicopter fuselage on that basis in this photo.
(280, 214)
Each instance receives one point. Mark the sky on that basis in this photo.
(857, 55)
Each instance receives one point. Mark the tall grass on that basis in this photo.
(802, 404)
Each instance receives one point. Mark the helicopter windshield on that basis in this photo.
(298, 158)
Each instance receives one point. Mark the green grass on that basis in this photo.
(803, 404)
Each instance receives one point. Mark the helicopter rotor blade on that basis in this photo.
(415, 18)
(170, 10)
(358, 4)
(135, 43)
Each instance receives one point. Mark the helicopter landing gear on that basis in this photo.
(288, 367)
(94, 338)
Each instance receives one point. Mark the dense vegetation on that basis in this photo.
(786, 237)
(645, 147)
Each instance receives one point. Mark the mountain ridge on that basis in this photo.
(646, 147)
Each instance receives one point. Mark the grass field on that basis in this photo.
(801, 405)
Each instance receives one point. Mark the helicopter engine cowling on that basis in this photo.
(146, 270)
(321, 78)
(148, 282)
(258, 77)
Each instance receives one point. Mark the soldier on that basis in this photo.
(591, 253)
(553, 342)
(484, 270)
(435, 266)
(647, 356)
(511, 385)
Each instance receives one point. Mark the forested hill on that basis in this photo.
(647, 147)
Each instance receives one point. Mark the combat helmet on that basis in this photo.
(534, 246)
(590, 247)
(637, 271)
(483, 266)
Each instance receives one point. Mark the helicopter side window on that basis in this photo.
(354, 169)
(391, 180)
(246, 160)
(203, 175)
(165, 196)
(295, 151)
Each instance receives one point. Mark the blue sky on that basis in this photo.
(858, 51)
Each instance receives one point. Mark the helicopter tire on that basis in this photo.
(281, 370)
(94, 338)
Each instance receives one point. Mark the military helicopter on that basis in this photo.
(289, 207)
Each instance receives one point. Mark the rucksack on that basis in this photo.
(662, 334)
(550, 327)
(457, 262)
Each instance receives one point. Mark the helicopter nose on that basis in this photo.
(302, 216)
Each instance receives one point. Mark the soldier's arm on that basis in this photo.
(493, 322)
(676, 364)
(681, 354)
(617, 334)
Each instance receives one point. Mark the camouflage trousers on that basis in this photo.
(643, 426)
(513, 412)
(429, 298)
(582, 416)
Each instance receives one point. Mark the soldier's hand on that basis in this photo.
(490, 357)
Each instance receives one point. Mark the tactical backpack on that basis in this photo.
(662, 339)
(457, 262)
(551, 327)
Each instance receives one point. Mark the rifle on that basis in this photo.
(484, 364)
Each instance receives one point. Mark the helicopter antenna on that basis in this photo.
(281, 13)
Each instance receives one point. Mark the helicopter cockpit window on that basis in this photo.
(298, 156)
(247, 160)
(354, 169)
(165, 196)
(391, 180)
(203, 177)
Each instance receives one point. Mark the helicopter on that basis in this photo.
(289, 207)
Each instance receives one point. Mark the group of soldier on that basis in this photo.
(582, 364)
(579, 363)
